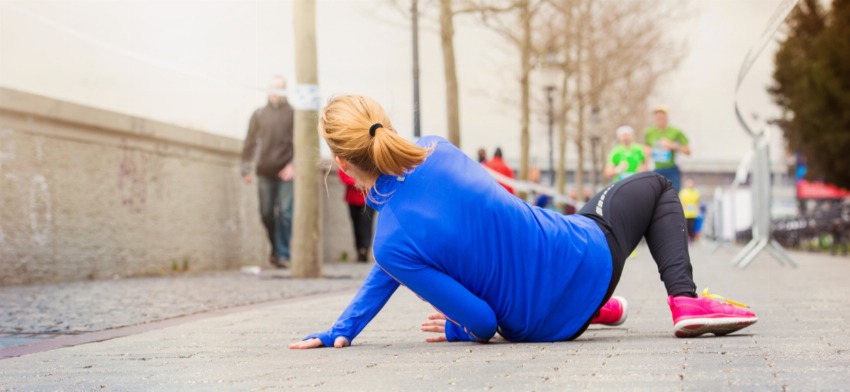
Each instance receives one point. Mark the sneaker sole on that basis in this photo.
(625, 312)
(718, 326)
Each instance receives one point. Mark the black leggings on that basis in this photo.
(647, 206)
(361, 220)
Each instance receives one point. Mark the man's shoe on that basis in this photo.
(279, 262)
(613, 313)
(282, 263)
(708, 313)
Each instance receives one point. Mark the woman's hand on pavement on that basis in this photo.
(436, 323)
(340, 342)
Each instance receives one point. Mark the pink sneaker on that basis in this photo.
(708, 313)
(613, 313)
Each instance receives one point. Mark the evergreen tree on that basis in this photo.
(812, 84)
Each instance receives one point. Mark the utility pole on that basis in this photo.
(414, 12)
(306, 232)
(447, 31)
(550, 100)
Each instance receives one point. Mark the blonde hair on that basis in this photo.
(345, 124)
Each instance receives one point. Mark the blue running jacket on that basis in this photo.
(484, 258)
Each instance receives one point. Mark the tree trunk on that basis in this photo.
(594, 162)
(563, 120)
(580, 151)
(306, 233)
(580, 93)
(561, 175)
(525, 53)
(447, 32)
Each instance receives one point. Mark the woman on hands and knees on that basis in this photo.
(486, 260)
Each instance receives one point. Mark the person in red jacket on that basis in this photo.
(361, 216)
(498, 165)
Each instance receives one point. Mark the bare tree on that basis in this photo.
(447, 31)
(608, 54)
(611, 55)
(567, 68)
(514, 20)
(447, 13)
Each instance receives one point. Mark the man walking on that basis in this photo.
(666, 141)
(269, 143)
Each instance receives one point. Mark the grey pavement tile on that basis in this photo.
(800, 343)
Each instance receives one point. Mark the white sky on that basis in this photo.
(83, 51)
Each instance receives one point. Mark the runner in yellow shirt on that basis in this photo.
(690, 203)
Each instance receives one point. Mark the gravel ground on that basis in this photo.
(70, 308)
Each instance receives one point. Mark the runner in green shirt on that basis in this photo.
(666, 141)
(626, 158)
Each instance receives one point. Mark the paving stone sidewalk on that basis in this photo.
(801, 342)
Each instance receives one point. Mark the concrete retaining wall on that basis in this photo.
(91, 194)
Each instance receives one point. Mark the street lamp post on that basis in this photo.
(550, 77)
(595, 146)
(550, 100)
(414, 14)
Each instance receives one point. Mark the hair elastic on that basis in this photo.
(374, 128)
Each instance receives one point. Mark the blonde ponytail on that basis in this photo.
(345, 125)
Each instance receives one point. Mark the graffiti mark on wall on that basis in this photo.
(132, 178)
(230, 199)
(7, 148)
(39, 148)
(7, 153)
(40, 210)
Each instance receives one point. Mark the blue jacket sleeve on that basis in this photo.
(372, 296)
(469, 318)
